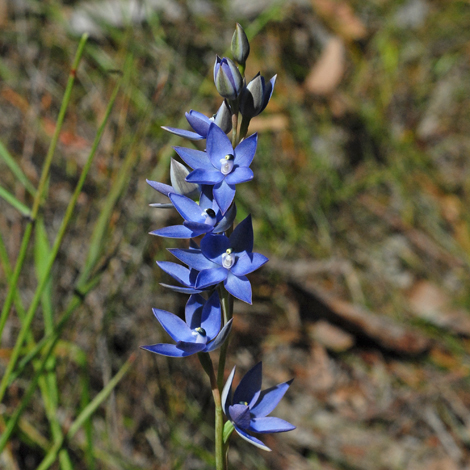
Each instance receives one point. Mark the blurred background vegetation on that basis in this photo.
(362, 184)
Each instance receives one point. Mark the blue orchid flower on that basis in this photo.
(200, 333)
(221, 166)
(248, 407)
(201, 218)
(227, 260)
(200, 123)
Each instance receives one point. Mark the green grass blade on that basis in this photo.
(16, 170)
(19, 206)
(87, 412)
(41, 188)
(55, 249)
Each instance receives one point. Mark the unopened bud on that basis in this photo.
(227, 78)
(223, 118)
(178, 173)
(240, 45)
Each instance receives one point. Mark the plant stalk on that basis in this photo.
(220, 461)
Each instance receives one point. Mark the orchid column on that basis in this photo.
(219, 255)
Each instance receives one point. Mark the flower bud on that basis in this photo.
(223, 118)
(255, 96)
(227, 78)
(178, 173)
(240, 45)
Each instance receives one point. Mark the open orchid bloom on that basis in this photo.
(248, 407)
(225, 259)
(221, 166)
(199, 219)
(199, 333)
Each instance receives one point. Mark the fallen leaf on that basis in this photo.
(327, 73)
(273, 123)
(430, 302)
(331, 337)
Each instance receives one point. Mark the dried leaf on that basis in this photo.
(331, 337)
(326, 74)
(429, 301)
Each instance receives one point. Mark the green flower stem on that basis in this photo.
(244, 127)
(41, 188)
(226, 301)
(234, 107)
(206, 362)
(53, 254)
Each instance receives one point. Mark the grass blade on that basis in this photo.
(14, 202)
(16, 170)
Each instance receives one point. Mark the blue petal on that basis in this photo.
(173, 325)
(240, 415)
(182, 290)
(176, 271)
(242, 237)
(211, 316)
(245, 151)
(218, 145)
(206, 198)
(227, 220)
(169, 350)
(211, 277)
(175, 231)
(204, 176)
(214, 247)
(187, 208)
(270, 425)
(269, 399)
(239, 287)
(199, 122)
(247, 263)
(194, 158)
(193, 258)
(193, 311)
(251, 439)
(198, 229)
(161, 188)
(224, 194)
(182, 133)
(239, 175)
(249, 388)
(220, 338)
(227, 391)
(190, 348)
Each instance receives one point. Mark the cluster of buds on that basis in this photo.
(219, 255)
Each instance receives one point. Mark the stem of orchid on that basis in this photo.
(226, 302)
(234, 107)
(244, 127)
(220, 461)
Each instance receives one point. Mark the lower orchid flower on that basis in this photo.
(248, 407)
(200, 333)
